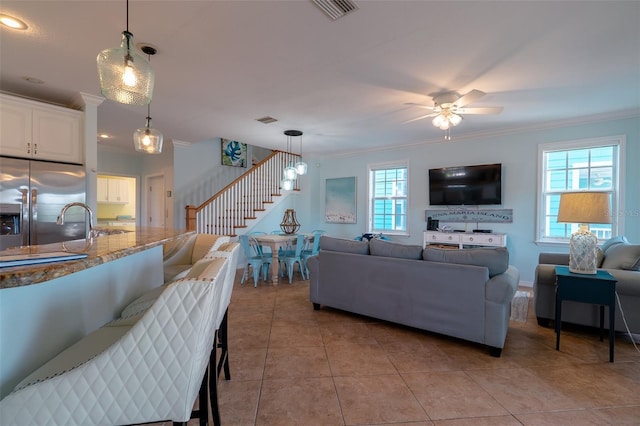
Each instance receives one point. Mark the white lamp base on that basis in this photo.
(583, 252)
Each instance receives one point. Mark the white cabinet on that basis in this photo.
(30, 129)
(462, 239)
(113, 191)
(103, 190)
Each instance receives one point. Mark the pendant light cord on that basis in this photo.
(127, 15)
(149, 104)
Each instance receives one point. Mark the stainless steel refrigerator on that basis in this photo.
(32, 193)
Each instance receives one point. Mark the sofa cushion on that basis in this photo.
(620, 239)
(622, 256)
(343, 245)
(378, 247)
(496, 259)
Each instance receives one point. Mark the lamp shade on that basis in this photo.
(125, 75)
(584, 207)
(290, 172)
(301, 167)
(147, 139)
(286, 184)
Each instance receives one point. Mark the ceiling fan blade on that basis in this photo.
(433, 114)
(420, 105)
(469, 97)
(480, 110)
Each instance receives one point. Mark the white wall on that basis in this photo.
(516, 152)
(199, 174)
(197, 169)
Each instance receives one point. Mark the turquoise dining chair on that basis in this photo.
(256, 259)
(288, 259)
(311, 250)
(265, 249)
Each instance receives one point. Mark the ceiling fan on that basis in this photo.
(448, 108)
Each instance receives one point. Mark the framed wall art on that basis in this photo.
(340, 200)
(234, 153)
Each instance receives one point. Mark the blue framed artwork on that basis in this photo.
(340, 200)
(234, 153)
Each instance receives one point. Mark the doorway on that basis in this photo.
(117, 200)
(156, 208)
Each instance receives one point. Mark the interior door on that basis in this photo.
(156, 201)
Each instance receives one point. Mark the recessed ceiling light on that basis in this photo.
(104, 136)
(12, 22)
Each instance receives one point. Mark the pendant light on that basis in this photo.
(290, 173)
(301, 166)
(148, 139)
(125, 75)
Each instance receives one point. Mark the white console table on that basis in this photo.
(462, 239)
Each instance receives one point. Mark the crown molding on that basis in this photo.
(503, 131)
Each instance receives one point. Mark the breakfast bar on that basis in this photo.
(46, 307)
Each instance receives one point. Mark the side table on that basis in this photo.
(597, 289)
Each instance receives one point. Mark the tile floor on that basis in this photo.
(291, 365)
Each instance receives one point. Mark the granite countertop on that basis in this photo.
(100, 250)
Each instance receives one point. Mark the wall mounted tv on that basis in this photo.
(466, 185)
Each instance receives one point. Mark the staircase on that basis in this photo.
(244, 200)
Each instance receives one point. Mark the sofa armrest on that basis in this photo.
(502, 287)
(554, 258)
(313, 263)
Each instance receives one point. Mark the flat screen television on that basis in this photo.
(466, 185)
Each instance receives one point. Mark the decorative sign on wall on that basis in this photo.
(234, 153)
(471, 215)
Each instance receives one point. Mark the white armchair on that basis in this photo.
(144, 367)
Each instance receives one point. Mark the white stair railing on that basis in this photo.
(239, 201)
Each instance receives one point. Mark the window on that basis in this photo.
(592, 164)
(388, 193)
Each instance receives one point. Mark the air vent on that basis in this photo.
(335, 9)
(266, 120)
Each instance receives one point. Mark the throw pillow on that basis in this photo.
(344, 245)
(600, 257)
(620, 239)
(143, 302)
(379, 247)
(496, 259)
(622, 256)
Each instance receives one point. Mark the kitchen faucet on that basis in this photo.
(60, 220)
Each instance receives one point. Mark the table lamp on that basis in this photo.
(584, 207)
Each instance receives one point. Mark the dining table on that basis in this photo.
(275, 242)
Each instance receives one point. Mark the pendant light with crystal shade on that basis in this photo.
(147, 139)
(125, 75)
(301, 166)
(290, 173)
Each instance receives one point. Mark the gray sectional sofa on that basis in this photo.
(617, 256)
(460, 293)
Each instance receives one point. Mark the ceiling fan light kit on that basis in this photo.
(448, 108)
(125, 75)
